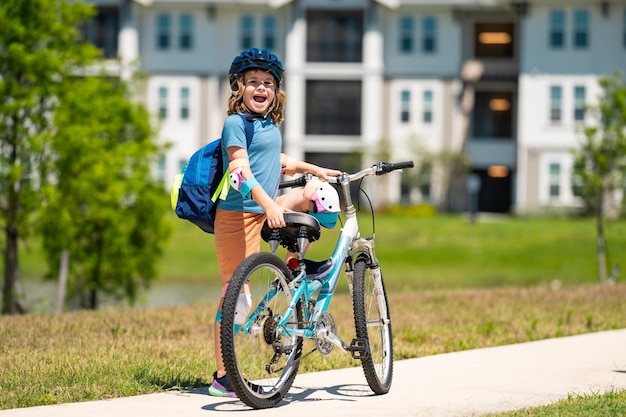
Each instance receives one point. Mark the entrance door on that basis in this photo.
(495, 191)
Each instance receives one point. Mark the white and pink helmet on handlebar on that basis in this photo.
(322, 202)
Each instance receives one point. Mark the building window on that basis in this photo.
(102, 30)
(555, 180)
(334, 36)
(579, 103)
(333, 107)
(427, 116)
(164, 25)
(581, 29)
(162, 102)
(161, 164)
(186, 32)
(405, 104)
(406, 34)
(424, 181)
(429, 34)
(493, 115)
(184, 103)
(555, 103)
(269, 32)
(557, 28)
(247, 31)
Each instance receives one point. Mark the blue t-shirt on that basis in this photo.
(264, 156)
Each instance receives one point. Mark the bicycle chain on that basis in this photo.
(297, 361)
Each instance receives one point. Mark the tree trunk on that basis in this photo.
(601, 243)
(93, 299)
(9, 302)
(95, 279)
(63, 271)
(11, 254)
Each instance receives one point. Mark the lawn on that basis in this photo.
(83, 355)
(445, 251)
(419, 253)
(453, 285)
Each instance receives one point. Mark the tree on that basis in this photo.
(600, 163)
(39, 50)
(75, 157)
(104, 207)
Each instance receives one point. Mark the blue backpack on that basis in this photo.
(195, 191)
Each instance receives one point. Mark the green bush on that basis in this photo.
(415, 210)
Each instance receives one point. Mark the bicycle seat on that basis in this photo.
(297, 223)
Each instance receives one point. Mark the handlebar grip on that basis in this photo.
(386, 167)
(298, 182)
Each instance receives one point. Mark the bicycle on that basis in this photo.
(262, 347)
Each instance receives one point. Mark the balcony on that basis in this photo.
(485, 152)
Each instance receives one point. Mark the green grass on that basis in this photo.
(452, 286)
(427, 252)
(610, 404)
(446, 252)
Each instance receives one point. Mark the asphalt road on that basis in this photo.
(468, 383)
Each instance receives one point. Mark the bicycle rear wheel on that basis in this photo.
(258, 349)
(373, 323)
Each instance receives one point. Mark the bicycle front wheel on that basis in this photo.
(373, 323)
(261, 354)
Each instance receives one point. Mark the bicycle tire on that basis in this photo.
(374, 326)
(248, 352)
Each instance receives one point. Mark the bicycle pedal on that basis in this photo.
(359, 348)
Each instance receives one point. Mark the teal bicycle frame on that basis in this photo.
(289, 306)
(349, 245)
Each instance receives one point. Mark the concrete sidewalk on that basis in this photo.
(466, 383)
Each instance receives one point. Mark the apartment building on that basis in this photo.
(499, 84)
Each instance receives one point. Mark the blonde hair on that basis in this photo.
(236, 104)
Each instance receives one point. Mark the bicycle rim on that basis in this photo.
(260, 351)
(369, 301)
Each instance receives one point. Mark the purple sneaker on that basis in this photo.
(220, 387)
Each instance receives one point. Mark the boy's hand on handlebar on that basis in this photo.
(326, 173)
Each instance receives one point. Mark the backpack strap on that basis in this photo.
(248, 125)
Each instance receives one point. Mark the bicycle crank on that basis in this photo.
(324, 334)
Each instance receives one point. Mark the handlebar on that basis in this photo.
(298, 182)
(380, 168)
(385, 167)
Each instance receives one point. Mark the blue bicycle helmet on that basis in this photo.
(256, 58)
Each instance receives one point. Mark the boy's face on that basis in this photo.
(259, 90)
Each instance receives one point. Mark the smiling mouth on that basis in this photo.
(260, 99)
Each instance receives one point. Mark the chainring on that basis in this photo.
(325, 324)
